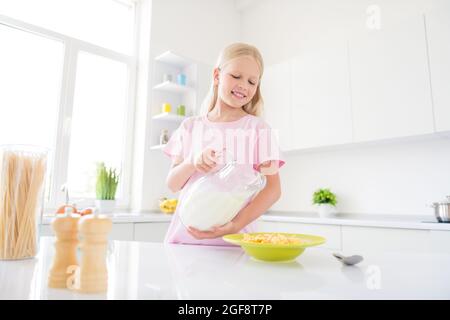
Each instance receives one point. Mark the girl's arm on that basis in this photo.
(182, 170)
(263, 201)
(179, 174)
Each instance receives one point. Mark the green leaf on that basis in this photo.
(107, 181)
(322, 196)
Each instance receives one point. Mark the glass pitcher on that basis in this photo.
(216, 198)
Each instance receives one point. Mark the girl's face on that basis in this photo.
(237, 81)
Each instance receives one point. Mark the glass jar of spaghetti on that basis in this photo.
(22, 182)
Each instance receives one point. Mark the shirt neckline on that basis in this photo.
(225, 123)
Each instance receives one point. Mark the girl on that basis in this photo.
(233, 104)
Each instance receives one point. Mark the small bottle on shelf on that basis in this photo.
(166, 107)
(164, 137)
(181, 79)
(167, 77)
(181, 110)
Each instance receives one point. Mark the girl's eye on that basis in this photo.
(238, 77)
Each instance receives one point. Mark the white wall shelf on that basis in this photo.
(157, 147)
(165, 88)
(169, 117)
(173, 59)
(169, 63)
(173, 87)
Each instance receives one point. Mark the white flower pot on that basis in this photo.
(326, 210)
(105, 206)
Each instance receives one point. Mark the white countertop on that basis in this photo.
(363, 220)
(128, 217)
(155, 271)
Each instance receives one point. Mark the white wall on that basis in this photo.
(399, 177)
(198, 30)
(379, 178)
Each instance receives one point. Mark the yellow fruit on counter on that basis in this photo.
(168, 205)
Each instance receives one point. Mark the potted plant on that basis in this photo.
(106, 186)
(325, 201)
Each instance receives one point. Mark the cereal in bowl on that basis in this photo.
(270, 238)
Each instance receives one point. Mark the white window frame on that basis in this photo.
(72, 47)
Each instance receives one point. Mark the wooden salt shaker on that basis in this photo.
(94, 230)
(65, 228)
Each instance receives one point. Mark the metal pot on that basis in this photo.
(442, 210)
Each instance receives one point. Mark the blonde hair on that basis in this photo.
(233, 51)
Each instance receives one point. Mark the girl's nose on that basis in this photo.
(242, 87)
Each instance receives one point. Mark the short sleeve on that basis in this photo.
(176, 146)
(267, 147)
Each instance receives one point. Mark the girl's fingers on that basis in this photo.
(200, 165)
(196, 234)
(201, 161)
(205, 168)
(220, 156)
(209, 157)
(209, 161)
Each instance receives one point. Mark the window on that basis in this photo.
(30, 81)
(70, 95)
(29, 64)
(107, 23)
(98, 121)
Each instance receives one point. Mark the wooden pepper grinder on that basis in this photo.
(65, 228)
(94, 230)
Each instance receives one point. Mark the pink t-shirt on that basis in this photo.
(249, 140)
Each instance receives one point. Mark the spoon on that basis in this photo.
(352, 260)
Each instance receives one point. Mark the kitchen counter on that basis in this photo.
(156, 271)
(363, 220)
(128, 217)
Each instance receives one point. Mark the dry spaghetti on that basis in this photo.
(22, 176)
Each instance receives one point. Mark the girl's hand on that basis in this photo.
(269, 168)
(215, 232)
(206, 161)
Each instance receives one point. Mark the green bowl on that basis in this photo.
(275, 252)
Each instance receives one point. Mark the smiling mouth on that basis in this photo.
(238, 94)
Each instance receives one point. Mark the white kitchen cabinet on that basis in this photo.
(437, 21)
(150, 232)
(332, 234)
(439, 241)
(321, 109)
(391, 94)
(122, 231)
(357, 240)
(276, 91)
